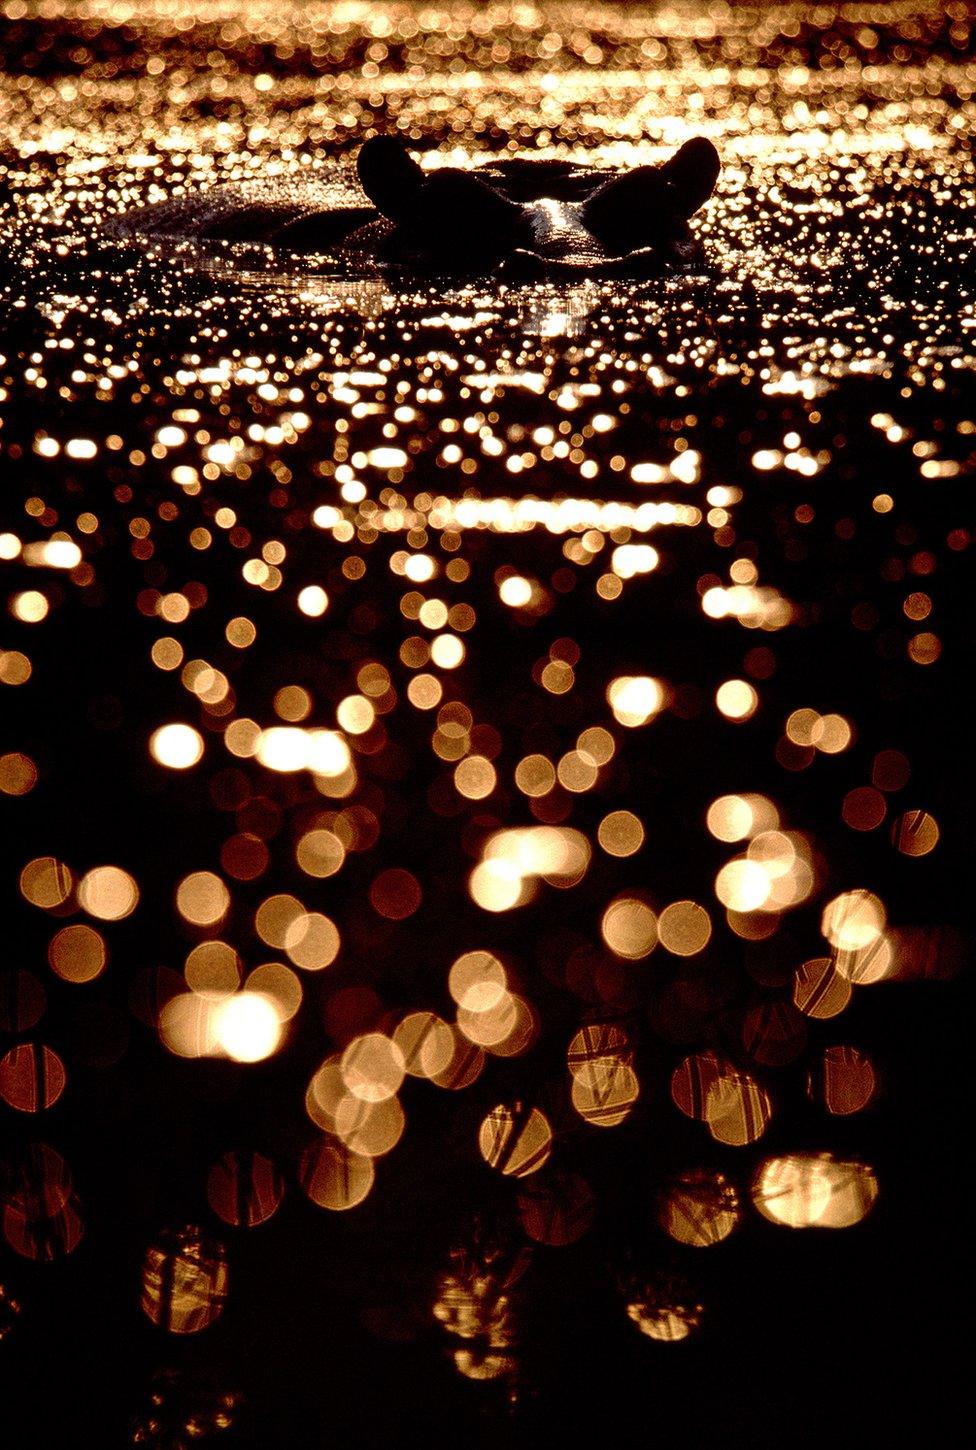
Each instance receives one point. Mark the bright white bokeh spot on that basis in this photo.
(515, 591)
(635, 699)
(743, 885)
(313, 601)
(247, 1026)
(176, 746)
(736, 699)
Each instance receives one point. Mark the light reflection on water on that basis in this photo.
(541, 693)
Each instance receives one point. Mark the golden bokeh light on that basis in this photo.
(684, 928)
(15, 667)
(853, 921)
(355, 714)
(288, 748)
(212, 969)
(621, 833)
(498, 885)
(514, 859)
(516, 591)
(311, 941)
(515, 1141)
(475, 778)
(577, 772)
(108, 892)
(464, 1066)
(737, 699)
(280, 985)
(737, 1109)
(831, 734)
(247, 1026)
(597, 1042)
(202, 899)
(667, 1324)
(596, 745)
(915, 833)
(30, 606)
(700, 1209)
(77, 953)
(490, 1026)
(844, 1080)
(736, 817)
(334, 1177)
(176, 746)
(46, 882)
(862, 966)
(18, 773)
(629, 928)
(692, 1081)
(521, 1023)
(743, 885)
(477, 981)
(814, 1190)
(819, 989)
(276, 918)
(184, 1281)
(240, 632)
(345, 575)
(635, 699)
(32, 1077)
(186, 1026)
(370, 1129)
(244, 1189)
(426, 1044)
(313, 601)
(372, 1067)
(535, 775)
(604, 1091)
(293, 703)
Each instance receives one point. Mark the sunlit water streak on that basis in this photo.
(546, 694)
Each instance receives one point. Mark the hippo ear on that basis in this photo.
(691, 175)
(389, 176)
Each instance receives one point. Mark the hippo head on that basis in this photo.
(537, 219)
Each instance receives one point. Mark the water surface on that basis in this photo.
(484, 766)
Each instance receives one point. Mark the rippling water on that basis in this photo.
(485, 768)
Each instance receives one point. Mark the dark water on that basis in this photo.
(581, 667)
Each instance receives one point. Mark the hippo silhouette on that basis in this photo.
(519, 218)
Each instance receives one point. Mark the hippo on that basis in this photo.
(519, 218)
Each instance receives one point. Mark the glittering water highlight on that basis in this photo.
(484, 764)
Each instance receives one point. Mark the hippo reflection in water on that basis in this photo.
(517, 218)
